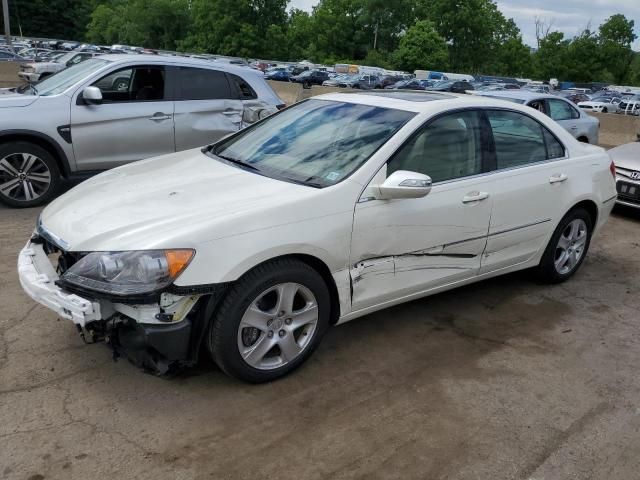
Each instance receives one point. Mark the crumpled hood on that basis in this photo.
(13, 99)
(176, 200)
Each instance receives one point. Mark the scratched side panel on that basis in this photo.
(408, 245)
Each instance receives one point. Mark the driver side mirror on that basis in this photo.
(92, 96)
(405, 184)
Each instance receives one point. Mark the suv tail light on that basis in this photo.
(612, 169)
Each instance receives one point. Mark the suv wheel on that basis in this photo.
(567, 248)
(270, 321)
(306, 84)
(29, 175)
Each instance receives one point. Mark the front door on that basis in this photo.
(134, 121)
(407, 246)
(207, 108)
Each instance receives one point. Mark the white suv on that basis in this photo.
(334, 208)
(114, 109)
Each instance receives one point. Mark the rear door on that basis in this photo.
(567, 116)
(532, 188)
(207, 107)
(134, 121)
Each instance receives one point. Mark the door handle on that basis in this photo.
(230, 112)
(558, 177)
(475, 197)
(159, 117)
(573, 127)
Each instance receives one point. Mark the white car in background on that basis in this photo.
(36, 71)
(601, 104)
(331, 209)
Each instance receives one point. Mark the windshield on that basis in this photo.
(316, 142)
(62, 80)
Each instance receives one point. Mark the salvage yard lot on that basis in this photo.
(503, 379)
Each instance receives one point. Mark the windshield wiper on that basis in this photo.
(237, 162)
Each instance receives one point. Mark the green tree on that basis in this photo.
(236, 27)
(584, 58)
(552, 57)
(422, 49)
(150, 23)
(61, 19)
(469, 27)
(616, 37)
(511, 56)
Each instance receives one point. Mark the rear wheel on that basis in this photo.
(567, 248)
(270, 321)
(29, 175)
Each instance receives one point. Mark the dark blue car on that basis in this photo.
(279, 75)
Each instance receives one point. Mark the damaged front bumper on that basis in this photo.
(154, 335)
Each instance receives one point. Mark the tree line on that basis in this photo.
(467, 36)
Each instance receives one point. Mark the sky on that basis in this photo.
(568, 16)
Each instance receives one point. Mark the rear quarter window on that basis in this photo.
(242, 87)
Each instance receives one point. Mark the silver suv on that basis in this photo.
(115, 109)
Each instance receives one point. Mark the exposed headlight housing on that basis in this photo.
(128, 273)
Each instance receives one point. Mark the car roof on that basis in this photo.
(179, 61)
(420, 102)
(522, 94)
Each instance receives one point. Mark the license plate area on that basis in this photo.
(628, 190)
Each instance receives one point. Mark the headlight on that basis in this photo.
(128, 273)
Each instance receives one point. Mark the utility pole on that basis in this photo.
(375, 35)
(7, 31)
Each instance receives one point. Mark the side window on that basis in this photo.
(202, 84)
(520, 140)
(244, 89)
(561, 110)
(447, 148)
(537, 105)
(133, 84)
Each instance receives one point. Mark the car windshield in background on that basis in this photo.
(62, 80)
(316, 142)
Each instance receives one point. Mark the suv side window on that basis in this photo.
(202, 84)
(142, 83)
(449, 147)
(561, 110)
(245, 92)
(521, 140)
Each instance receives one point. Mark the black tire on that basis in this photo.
(120, 85)
(222, 339)
(546, 270)
(306, 85)
(41, 192)
(604, 110)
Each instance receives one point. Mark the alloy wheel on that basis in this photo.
(24, 177)
(277, 326)
(570, 247)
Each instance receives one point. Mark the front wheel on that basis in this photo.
(29, 175)
(567, 248)
(604, 110)
(270, 321)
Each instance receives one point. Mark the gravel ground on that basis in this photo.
(505, 379)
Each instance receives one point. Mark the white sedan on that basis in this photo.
(601, 105)
(334, 208)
